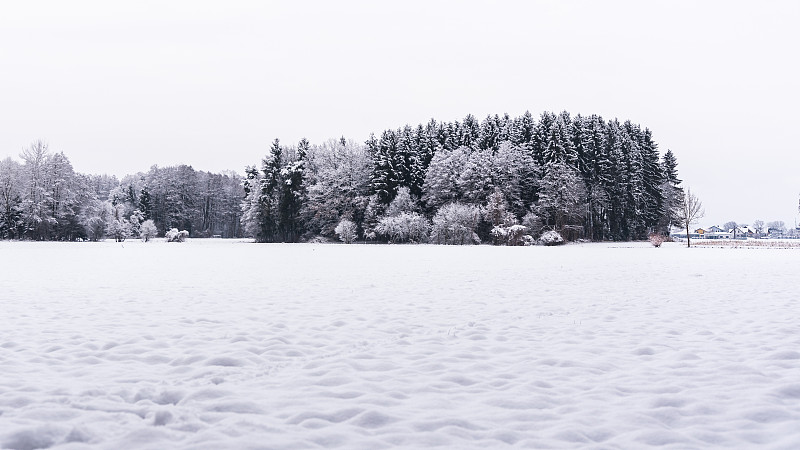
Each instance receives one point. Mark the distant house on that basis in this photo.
(745, 232)
(775, 233)
(700, 231)
(715, 232)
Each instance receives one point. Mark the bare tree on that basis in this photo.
(689, 211)
(776, 228)
(758, 225)
(731, 227)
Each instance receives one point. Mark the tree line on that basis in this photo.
(503, 180)
(468, 181)
(43, 198)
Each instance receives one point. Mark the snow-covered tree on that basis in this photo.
(403, 202)
(148, 230)
(404, 227)
(505, 230)
(96, 217)
(671, 189)
(346, 230)
(36, 213)
(442, 178)
(561, 197)
(338, 186)
(10, 199)
(455, 224)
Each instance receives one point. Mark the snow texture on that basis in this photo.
(219, 344)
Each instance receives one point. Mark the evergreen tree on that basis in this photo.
(294, 194)
(145, 203)
(10, 199)
(383, 181)
(671, 190)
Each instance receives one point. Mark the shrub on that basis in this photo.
(551, 237)
(173, 235)
(119, 229)
(404, 227)
(656, 239)
(346, 230)
(511, 235)
(455, 223)
(148, 230)
(534, 223)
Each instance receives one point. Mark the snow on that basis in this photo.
(221, 344)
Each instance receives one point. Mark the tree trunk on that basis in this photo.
(688, 239)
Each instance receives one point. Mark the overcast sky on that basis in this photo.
(119, 86)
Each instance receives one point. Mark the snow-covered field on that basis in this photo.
(218, 344)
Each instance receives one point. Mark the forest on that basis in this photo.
(502, 180)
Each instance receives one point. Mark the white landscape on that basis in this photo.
(225, 344)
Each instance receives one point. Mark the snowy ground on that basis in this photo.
(219, 344)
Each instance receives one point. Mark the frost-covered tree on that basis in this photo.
(36, 213)
(496, 210)
(346, 230)
(10, 199)
(251, 207)
(136, 219)
(293, 195)
(96, 217)
(561, 197)
(118, 226)
(119, 229)
(404, 227)
(504, 227)
(148, 230)
(455, 224)
(338, 186)
(272, 212)
(533, 223)
(145, 203)
(671, 189)
(403, 202)
(442, 184)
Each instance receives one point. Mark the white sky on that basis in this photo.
(119, 86)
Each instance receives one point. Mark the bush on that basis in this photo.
(551, 237)
(119, 229)
(534, 223)
(656, 239)
(346, 230)
(148, 230)
(511, 235)
(173, 235)
(404, 227)
(455, 223)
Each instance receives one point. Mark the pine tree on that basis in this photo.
(293, 195)
(270, 194)
(671, 190)
(10, 199)
(469, 132)
(383, 177)
(145, 203)
(541, 136)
